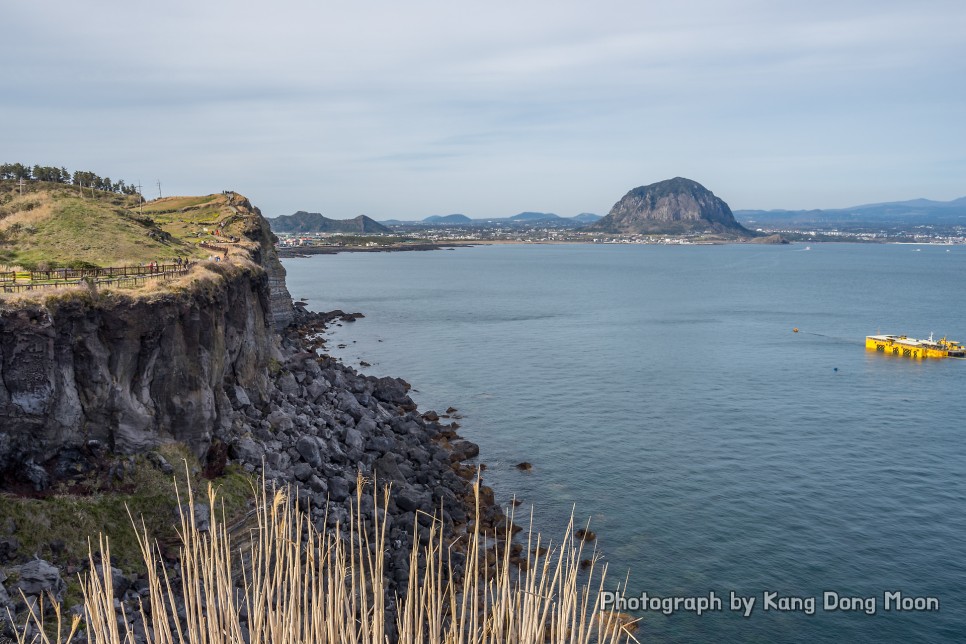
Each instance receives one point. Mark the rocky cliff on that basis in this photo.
(221, 363)
(676, 206)
(87, 369)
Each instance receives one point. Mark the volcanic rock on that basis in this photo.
(676, 206)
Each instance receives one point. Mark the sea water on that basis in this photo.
(663, 394)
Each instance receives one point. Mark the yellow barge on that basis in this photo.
(900, 345)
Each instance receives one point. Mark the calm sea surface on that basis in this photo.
(662, 391)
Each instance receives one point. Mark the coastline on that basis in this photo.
(322, 429)
(266, 401)
(308, 251)
(292, 252)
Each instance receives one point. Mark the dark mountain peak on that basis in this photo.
(674, 206)
(314, 222)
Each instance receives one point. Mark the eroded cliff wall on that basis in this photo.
(84, 370)
(131, 372)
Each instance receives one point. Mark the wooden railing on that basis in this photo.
(214, 247)
(119, 280)
(113, 271)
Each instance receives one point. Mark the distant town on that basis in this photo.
(676, 211)
(544, 232)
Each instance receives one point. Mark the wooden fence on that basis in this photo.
(114, 271)
(120, 281)
(214, 247)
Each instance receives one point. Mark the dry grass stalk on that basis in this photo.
(298, 585)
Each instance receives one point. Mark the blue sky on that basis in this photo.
(409, 109)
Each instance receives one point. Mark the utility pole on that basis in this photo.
(159, 188)
(21, 186)
(140, 199)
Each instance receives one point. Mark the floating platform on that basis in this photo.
(906, 347)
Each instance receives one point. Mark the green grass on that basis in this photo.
(64, 230)
(74, 513)
(53, 226)
(175, 204)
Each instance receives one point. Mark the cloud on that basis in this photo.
(313, 105)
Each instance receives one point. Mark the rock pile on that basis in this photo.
(324, 428)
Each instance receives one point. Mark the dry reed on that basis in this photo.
(289, 583)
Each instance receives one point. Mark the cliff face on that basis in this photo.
(84, 370)
(674, 206)
(266, 256)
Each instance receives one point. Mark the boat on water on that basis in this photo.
(900, 345)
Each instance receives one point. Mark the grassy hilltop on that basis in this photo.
(52, 225)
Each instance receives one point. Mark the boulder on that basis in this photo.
(391, 390)
(462, 450)
(241, 397)
(338, 489)
(308, 449)
(40, 577)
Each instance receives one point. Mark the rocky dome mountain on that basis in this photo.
(675, 206)
(313, 222)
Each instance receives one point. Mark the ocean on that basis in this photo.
(661, 393)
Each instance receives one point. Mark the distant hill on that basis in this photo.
(913, 211)
(674, 206)
(447, 219)
(313, 222)
(586, 218)
(535, 216)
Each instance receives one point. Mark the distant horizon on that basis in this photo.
(599, 214)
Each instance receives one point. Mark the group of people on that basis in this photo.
(155, 267)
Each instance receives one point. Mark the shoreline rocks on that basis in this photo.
(321, 427)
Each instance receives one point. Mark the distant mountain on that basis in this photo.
(535, 216)
(586, 218)
(447, 219)
(912, 211)
(313, 222)
(674, 206)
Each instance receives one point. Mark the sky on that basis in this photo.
(401, 110)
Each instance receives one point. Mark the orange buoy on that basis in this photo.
(795, 330)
